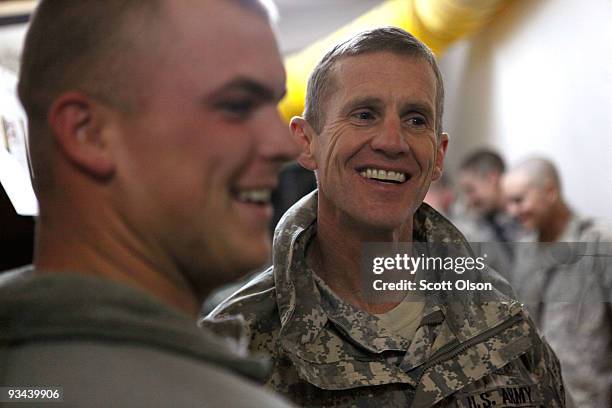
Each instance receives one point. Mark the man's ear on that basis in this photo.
(440, 154)
(77, 123)
(304, 135)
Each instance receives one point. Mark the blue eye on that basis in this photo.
(417, 121)
(363, 116)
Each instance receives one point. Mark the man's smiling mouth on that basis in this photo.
(254, 196)
(387, 176)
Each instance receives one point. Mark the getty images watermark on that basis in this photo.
(480, 271)
(410, 264)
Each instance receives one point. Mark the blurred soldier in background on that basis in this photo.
(156, 142)
(372, 131)
(441, 196)
(565, 279)
(479, 182)
(483, 220)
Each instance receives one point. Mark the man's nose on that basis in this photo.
(390, 140)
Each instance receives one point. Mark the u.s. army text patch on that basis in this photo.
(500, 397)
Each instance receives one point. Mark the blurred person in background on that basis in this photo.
(565, 279)
(479, 181)
(372, 132)
(441, 196)
(481, 216)
(156, 142)
(294, 183)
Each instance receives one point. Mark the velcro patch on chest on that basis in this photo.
(500, 397)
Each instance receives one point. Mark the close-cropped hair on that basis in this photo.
(386, 39)
(82, 46)
(483, 162)
(88, 46)
(79, 46)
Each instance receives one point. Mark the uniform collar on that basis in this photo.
(307, 314)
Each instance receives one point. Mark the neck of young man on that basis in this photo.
(335, 256)
(108, 252)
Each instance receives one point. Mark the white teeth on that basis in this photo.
(379, 174)
(261, 196)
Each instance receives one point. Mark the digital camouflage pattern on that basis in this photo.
(567, 288)
(326, 353)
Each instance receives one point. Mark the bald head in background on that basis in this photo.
(565, 279)
(533, 194)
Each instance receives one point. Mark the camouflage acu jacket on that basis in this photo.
(567, 288)
(327, 353)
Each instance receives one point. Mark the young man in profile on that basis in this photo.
(155, 142)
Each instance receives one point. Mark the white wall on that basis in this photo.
(303, 22)
(538, 81)
(11, 41)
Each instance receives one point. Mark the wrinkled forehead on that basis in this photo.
(378, 60)
(384, 72)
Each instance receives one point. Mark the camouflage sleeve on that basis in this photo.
(249, 315)
(600, 245)
(604, 263)
(545, 370)
(532, 380)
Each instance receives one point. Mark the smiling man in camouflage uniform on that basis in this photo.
(372, 132)
(565, 279)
